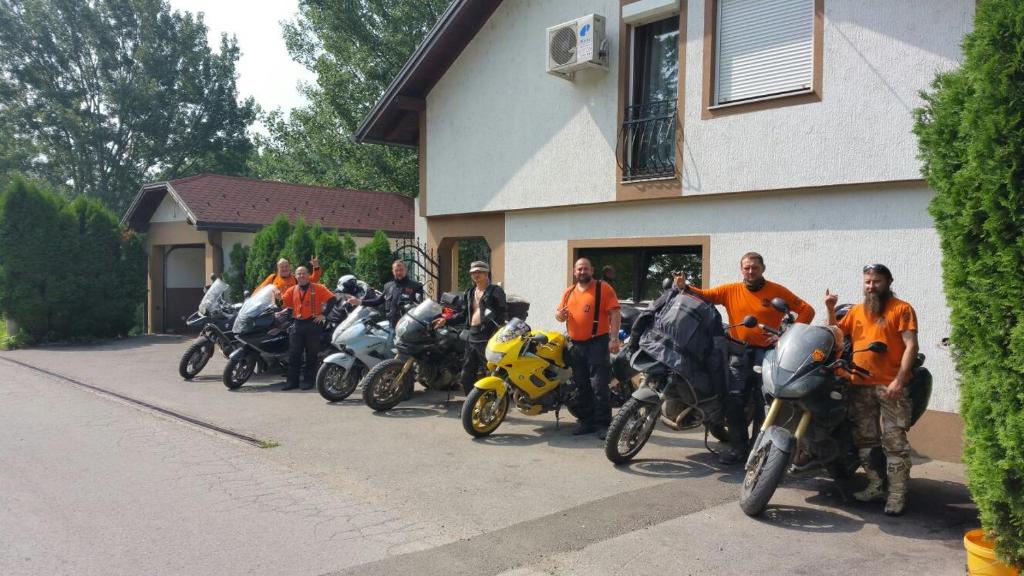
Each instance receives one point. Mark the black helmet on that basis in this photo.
(842, 310)
(348, 284)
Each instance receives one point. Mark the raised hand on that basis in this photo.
(831, 300)
(314, 262)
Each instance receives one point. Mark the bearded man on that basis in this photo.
(753, 296)
(879, 405)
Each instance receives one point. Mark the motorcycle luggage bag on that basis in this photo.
(681, 334)
(517, 307)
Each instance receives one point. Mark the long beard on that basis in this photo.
(584, 278)
(875, 302)
(754, 285)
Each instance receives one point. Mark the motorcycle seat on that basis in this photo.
(643, 362)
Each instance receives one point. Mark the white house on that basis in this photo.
(717, 127)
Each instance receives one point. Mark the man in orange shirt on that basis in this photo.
(882, 396)
(284, 279)
(590, 310)
(753, 296)
(306, 300)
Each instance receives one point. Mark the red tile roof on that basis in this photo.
(217, 202)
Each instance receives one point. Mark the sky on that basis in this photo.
(265, 70)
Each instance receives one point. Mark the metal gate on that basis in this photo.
(421, 263)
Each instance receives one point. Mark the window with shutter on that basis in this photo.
(761, 50)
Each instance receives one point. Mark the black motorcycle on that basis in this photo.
(431, 356)
(262, 335)
(807, 426)
(214, 319)
(690, 404)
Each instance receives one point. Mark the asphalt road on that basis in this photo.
(91, 484)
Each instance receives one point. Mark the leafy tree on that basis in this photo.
(373, 263)
(971, 139)
(356, 48)
(267, 248)
(103, 94)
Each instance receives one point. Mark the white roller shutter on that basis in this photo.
(764, 48)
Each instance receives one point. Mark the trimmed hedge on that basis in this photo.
(373, 264)
(68, 271)
(971, 138)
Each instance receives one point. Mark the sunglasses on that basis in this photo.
(880, 268)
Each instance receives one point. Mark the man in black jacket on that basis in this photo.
(402, 288)
(480, 298)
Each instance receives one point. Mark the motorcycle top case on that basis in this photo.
(681, 332)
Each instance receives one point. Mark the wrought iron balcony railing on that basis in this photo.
(647, 141)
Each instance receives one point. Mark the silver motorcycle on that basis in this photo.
(363, 340)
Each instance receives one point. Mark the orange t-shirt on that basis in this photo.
(580, 323)
(740, 302)
(306, 305)
(286, 283)
(862, 329)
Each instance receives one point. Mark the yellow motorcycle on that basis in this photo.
(527, 368)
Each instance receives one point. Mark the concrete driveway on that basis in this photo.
(349, 491)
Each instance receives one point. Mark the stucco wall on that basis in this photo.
(228, 241)
(810, 240)
(501, 131)
(503, 134)
(878, 54)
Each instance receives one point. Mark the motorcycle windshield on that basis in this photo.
(213, 297)
(413, 325)
(354, 318)
(790, 371)
(255, 306)
(514, 329)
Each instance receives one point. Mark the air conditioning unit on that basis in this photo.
(576, 45)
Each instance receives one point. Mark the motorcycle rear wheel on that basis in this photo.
(483, 412)
(630, 430)
(335, 383)
(238, 370)
(380, 390)
(195, 358)
(763, 478)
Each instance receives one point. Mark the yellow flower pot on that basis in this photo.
(981, 558)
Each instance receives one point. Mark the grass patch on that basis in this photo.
(11, 342)
(268, 444)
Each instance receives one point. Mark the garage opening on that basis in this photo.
(184, 278)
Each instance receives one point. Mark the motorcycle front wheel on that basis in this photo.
(630, 430)
(195, 358)
(238, 370)
(381, 388)
(335, 383)
(483, 412)
(763, 478)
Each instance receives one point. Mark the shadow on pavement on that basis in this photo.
(657, 468)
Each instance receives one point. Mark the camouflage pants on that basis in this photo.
(878, 420)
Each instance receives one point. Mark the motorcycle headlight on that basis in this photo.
(492, 357)
(768, 373)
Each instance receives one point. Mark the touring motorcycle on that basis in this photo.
(806, 425)
(432, 356)
(363, 340)
(214, 318)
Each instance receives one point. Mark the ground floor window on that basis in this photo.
(637, 272)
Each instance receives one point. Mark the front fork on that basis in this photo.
(783, 439)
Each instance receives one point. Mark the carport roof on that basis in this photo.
(233, 203)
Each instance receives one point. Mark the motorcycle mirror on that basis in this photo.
(750, 322)
(245, 293)
(540, 339)
(666, 284)
(780, 305)
(878, 347)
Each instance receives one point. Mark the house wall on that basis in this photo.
(168, 211)
(811, 240)
(538, 140)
